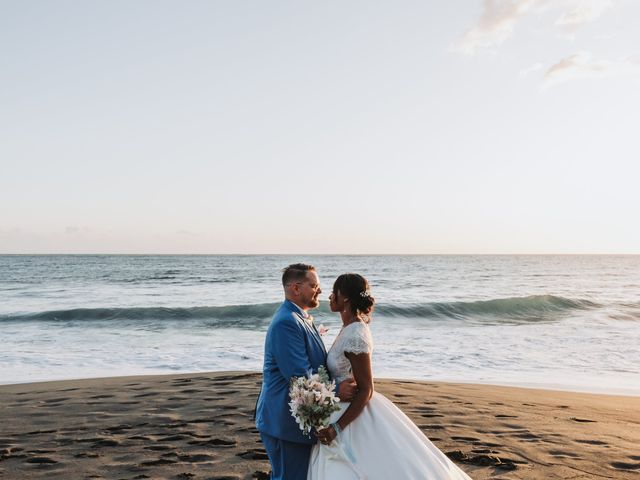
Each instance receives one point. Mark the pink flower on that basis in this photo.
(322, 330)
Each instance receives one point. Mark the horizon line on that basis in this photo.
(318, 254)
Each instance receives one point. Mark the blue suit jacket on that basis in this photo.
(291, 349)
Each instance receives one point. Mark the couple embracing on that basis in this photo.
(380, 441)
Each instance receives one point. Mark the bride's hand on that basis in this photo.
(326, 435)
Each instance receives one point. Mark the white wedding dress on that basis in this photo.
(382, 443)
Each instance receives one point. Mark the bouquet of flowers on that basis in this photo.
(313, 400)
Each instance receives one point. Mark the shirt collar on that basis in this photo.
(297, 309)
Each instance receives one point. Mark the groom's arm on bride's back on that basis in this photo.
(346, 390)
(290, 350)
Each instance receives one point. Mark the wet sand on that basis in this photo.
(199, 426)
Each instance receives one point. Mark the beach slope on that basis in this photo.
(199, 426)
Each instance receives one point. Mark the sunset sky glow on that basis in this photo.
(320, 127)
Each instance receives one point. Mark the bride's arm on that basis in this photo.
(361, 370)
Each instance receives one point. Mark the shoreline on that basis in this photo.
(615, 392)
(199, 426)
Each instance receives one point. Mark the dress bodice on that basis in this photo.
(354, 338)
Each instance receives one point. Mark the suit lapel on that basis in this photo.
(313, 331)
(311, 327)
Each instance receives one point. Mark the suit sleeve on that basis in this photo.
(291, 351)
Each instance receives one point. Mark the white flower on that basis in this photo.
(307, 395)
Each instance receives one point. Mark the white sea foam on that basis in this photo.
(556, 322)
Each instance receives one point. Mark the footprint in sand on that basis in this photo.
(184, 476)
(424, 409)
(158, 448)
(56, 400)
(41, 432)
(483, 460)
(105, 442)
(195, 458)
(119, 428)
(255, 454)
(490, 444)
(592, 442)
(432, 427)
(143, 395)
(86, 455)
(160, 461)
(528, 436)
(174, 438)
(214, 442)
(629, 466)
(563, 454)
(465, 439)
(41, 460)
(248, 429)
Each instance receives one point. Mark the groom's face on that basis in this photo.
(310, 291)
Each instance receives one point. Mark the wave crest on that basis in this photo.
(531, 308)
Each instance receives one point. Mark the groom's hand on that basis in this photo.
(347, 390)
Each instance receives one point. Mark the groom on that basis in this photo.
(292, 347)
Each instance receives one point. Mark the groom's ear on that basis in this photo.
(293, 288)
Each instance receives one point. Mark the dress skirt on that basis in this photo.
(382, 443)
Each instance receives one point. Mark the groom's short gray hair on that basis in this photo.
(296, 273)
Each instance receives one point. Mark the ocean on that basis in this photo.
(557, 322)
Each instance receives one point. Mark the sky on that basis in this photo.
(408, 127)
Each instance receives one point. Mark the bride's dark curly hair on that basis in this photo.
(356, 288)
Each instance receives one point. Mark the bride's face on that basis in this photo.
(336, 301)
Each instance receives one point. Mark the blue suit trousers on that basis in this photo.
(289, 461)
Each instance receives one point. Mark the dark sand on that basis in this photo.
(199, 426)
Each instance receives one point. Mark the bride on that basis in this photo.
(369, 438)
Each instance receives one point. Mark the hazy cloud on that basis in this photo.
(499, 18)
(495, 25)
(585, 11)
(582, 65)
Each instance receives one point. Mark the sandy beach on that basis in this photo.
(199, 426)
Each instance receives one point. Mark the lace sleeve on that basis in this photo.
(359, 340)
